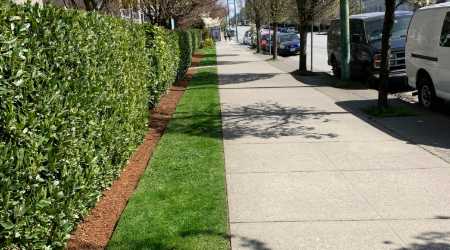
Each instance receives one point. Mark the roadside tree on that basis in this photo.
(278, 10)
(389, 19)
(256, 10)
(184, 12)
(310, 10)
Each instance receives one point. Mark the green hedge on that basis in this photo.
(186, 50)
(164, 59)
(196, 38)
(171, 56)
(74, 91)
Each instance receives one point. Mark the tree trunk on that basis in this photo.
(303, 45)
(88, 5)
(389, 19)
(303, 34)
(275, 41)
(258, 33)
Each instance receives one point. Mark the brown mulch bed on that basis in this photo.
(97, 228)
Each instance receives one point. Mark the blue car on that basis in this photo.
(288, 44)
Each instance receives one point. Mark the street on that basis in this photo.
(320, 56)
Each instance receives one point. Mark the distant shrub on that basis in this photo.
(186, 51)
(208, 43)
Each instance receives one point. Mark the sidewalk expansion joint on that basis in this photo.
(338, 220)
(232, 142)
(335, 170)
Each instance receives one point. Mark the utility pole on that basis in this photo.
(228, 15)
(312, 42)
(345, 40)
(270, 37)
(236, 21)
(361, 6)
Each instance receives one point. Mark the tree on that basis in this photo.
(184, 12)
(89, 5)
(310, 10)
(415, 3)
(257, 11)
(277, 11)
(389, 18)
(307, 10)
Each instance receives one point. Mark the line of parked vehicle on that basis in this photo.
(288, 40)
(420, 49)
(420, 44)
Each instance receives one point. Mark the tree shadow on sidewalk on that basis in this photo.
(243, 78)
(324, 79)
(397, 84)
(223, 63)
(428, 241)
(273, 120)
(262, 120)
(426, 128)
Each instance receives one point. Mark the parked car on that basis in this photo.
(231, 32)
(365, 35)
(291, 30)
(288, 44)
(265, 41)
(247, 37)
(253, 40)
(428, 54)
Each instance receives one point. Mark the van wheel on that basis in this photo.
(427, 95)
(335, 68)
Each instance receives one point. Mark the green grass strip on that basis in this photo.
(209, 57)
(391, 111)
(180, 202)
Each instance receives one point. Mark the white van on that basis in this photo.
(428, 53)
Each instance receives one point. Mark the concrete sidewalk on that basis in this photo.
(305, 173)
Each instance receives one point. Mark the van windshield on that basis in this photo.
(375, 28)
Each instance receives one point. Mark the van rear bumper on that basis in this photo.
(399, 73)
(398, 80)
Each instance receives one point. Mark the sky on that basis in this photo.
(231, 4)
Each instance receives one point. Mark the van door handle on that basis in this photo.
(428, 58)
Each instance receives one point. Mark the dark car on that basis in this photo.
(365, 35)
(288, 43)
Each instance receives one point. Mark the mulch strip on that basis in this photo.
(97, 228)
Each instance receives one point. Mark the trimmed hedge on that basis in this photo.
(196, 37)
(75, 89)
(171, 56)
(164, 60)
(186, 51)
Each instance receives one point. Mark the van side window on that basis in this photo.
(356, 28)
(357, 31)
(445, 34)
(335, 30)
